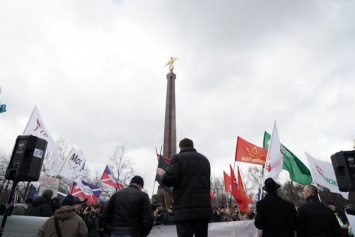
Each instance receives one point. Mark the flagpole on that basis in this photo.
(30, 118)
(153, 189)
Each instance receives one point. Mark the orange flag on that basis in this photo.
(246, 199)
(249, 153)
(227, 182)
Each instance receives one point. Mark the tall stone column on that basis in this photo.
(169, 147)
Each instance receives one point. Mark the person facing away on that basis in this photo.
(69, 223)
(314, 218)
(275, 216)
(341, 217)
(189, 173)
(41, 205)
(92, 220)
(129, 212)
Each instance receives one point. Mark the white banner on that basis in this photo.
(323, 174)
(36, 127)
(49, 183)
(73, 166)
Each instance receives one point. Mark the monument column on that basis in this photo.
(169, 147)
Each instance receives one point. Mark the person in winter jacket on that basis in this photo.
(314, 218)
(69, 223)
(41, 206)
(189, 173)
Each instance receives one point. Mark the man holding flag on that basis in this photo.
(189, 173)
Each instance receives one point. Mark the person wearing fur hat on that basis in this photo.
(275, 216)
(41, 206)
(129, 212)
(70, 224)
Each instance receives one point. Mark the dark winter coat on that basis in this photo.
(316, 219)
(275, 216)
(162, 217)
(40, 207)
(70, 224)
(129, 212)
(92, 221)
(189, 173)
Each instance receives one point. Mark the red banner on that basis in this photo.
(249, 153)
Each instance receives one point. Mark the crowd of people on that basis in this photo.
(130, 213)
(226, 214)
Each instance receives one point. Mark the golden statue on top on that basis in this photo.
(171, 63)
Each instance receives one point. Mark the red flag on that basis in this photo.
(227, 182)
(108, 178)
(234, 188)
(211, 195)
(249, 153)
(246, 200)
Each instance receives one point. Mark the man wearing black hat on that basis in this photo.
(189, 173)
(275, 216)
(129, 212)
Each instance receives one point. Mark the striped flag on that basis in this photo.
(82, 189)
(108, 178)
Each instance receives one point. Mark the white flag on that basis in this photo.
(274, 159)
(36, 127)
(73, 166)
(323, 174)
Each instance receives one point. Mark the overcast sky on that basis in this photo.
(95, 70)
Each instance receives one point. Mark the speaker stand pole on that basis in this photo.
(9, 208)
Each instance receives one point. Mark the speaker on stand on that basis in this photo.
(25, 165)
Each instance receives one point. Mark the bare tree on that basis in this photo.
(253, 181)
(221, 197)
(121, 165)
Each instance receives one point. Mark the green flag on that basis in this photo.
(299, 173)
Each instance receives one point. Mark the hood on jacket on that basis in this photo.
(65, 212)
(40, 200)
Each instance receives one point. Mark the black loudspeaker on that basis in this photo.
(26, 159)
(344, 168)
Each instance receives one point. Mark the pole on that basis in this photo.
(9, 208)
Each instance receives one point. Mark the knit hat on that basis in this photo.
(48, 193)
(77, 200)
(137, 180)
(68, 200)
(271, 185)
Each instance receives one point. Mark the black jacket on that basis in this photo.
(162, 217)
(129, 212)
(316, 219)
(189, 173)
(275, 216)
(40, 207)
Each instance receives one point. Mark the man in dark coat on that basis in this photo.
(162, 215)
(189, 173)
(314, 218)
(129, 212)
(274, 215)
(41, 206)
